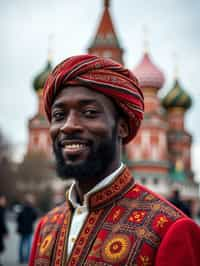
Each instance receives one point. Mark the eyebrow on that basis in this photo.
(81, 103)
(88, 101)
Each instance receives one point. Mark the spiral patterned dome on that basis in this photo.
(177, 97)
(39, 81)
(148, 74)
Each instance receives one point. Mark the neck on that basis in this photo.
(84, 187)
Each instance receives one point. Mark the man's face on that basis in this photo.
(85, 133)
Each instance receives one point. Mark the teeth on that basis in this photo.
(74, 146)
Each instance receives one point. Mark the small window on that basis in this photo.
(143, 180)
(107, 54)
(155, 181)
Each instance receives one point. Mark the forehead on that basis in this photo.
(80, 94)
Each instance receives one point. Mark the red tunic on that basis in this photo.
(127, 225)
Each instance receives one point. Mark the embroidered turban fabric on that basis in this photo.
(102, 75)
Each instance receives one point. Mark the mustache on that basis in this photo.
(71, 137)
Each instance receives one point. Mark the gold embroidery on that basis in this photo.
(141, 232)
(145, 260)
(96, 248)
(54, 218)
(45, 244)
(109, 192)
(156, 207)
(137, 216)
(149, 197)
(161, 222)
(83, 238)
(116, 248)
(116, 215)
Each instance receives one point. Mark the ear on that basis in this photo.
(123, 129)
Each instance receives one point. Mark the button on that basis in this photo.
(73, 239)
(79, 211)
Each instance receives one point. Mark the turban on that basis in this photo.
(102, 75)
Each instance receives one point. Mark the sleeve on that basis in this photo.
(35, 243)
(181, 245)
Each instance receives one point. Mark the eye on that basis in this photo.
(57, 115)
(91, 113)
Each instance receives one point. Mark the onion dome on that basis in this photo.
(148, 74)
(177, 97)
(39, 81)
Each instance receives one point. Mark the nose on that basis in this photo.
(72, 123)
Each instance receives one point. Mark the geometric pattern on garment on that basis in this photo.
(125, 226)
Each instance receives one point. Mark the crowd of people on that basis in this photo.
(25, 217)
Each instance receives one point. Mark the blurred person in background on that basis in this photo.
(25, 226)
(179, 203)
(3, 226)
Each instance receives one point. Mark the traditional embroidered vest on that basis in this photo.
(125, 226)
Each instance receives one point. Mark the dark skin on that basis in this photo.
(91, 116)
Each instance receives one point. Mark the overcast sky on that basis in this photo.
(173, 27)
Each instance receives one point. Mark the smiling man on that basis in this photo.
(84, 145)
(94, 106)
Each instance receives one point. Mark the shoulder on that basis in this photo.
(185, 227)
(153, 201)
(180, 246)
(53, 215)
(150, 211)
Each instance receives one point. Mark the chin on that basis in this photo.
(75, 160)
(92, 164)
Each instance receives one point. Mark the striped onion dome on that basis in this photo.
(177, 97)
(39, 80)
(148, 74)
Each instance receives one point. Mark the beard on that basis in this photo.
(97, 162)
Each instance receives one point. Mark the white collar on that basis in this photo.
(72, 195)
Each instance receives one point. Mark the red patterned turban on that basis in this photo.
(103, 75)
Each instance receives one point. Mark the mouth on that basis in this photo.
(74, 147)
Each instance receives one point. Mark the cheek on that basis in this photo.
(53, 130)
(100, 129)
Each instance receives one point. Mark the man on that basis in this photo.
(94, 106)
(176, 200)
(25, 222)
(3, 225)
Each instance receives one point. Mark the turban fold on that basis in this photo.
(102, 75)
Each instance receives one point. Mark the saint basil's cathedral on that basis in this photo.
(160, 155)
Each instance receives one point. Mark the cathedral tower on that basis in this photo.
(147, 153)
(176, 103)
(38, 127)
(105, 42)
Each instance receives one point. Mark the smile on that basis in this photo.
(75, 146)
